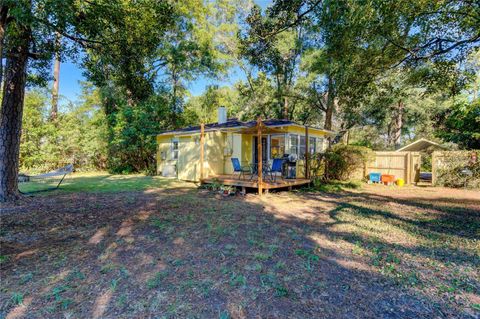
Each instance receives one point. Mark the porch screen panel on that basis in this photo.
(320, 145)
(293, 144)
(312, 147)
(277, 146)
(302, 148)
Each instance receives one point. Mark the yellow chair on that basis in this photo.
(400, 182)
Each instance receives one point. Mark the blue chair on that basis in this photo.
(238, 168)
(276, 168)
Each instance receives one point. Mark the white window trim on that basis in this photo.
(175, 139)
(298, 143)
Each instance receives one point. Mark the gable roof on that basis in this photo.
(236, 124)
(419, 145)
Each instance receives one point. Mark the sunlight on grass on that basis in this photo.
(102, 182)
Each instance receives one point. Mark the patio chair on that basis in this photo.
(276, 168)
(238, 168)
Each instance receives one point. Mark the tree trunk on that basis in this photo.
(3, 25)
(330, 105)
(56, 79)
(397, 134)
(11, 116)
(285, 107)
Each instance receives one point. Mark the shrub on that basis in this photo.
(341, 161)
(451, 166)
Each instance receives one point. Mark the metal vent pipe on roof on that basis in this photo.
(222, 115)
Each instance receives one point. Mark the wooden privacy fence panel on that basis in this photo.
(405, 165)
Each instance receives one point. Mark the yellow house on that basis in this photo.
(178, 152)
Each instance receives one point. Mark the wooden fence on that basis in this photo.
(405, 165)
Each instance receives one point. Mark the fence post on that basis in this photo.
(260, 156)
(434, 173)
(307, 155)
(409, 168)
(202, 150)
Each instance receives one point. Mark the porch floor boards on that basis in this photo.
(232, 180)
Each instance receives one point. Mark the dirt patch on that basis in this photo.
(375, 252)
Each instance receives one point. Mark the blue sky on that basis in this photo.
(71, 74)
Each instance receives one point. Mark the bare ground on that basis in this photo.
(377, 252)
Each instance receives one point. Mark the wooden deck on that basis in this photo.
(232, 180)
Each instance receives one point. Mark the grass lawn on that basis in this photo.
(145, 247)
(97, 182)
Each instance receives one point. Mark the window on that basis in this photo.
(163, 155)
(277, 146)
(302, 148)
(175, 149)
(312, 147)
(319, 144)
(293, 144)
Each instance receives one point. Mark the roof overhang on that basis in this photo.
(194, 132)
(277, 128)
(419, 145)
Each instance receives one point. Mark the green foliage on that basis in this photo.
(157, 280)
(455, 169)
(237, 280)
(359, 61)
(335, 186)
(342, 160)
(460, 124)
(204, 107)
(3, 259)
(17, 298)
(149, 91)
(76, 136)
(131, 134)
(309, 256)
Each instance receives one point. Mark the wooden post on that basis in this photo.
(307, 154)
(259, 157)
(202, 142)
(409, 168)
(434, 168)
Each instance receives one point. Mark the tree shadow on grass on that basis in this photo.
(444, 224)
(455, 217)
(187, 253)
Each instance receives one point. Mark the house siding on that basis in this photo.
(220, 147)
(214, 148)
(188, 164)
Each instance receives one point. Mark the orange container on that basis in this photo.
(387, 179)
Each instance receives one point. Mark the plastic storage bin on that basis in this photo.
(375, 177)
(388, 179)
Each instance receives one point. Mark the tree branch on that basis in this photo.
(297, 21)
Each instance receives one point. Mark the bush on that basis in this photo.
(339, 162)
(450, 170)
